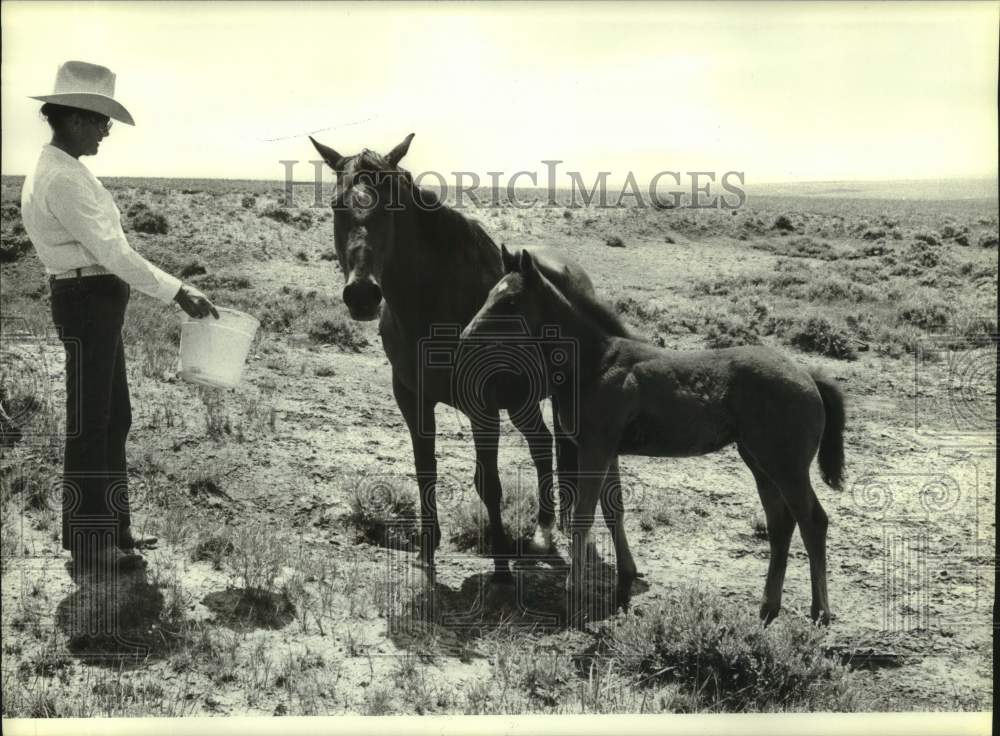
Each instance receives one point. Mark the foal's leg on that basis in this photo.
(425, 463)
(530, 424)
(568, 462)
(593, 468)
(813, 523)
(798, 494)
(780, 527)
(614, 517)
(486, 433)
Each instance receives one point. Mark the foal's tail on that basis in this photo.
(831, 448)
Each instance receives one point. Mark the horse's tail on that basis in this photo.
(831, 447)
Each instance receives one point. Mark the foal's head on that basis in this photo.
(369, 189)
(517, 304)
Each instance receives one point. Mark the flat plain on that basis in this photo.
(283, 581)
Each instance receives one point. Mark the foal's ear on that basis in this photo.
(397, 153)
(527, 267)
(333, 159)
(510, 264)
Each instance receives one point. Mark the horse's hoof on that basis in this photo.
(767, 615)
(821, 618)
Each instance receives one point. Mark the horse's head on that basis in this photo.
(515, 305)
(367, 193)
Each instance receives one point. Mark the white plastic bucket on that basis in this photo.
(213, 351)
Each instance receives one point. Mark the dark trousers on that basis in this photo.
(88, 313)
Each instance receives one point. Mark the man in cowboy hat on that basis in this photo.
(76, 230)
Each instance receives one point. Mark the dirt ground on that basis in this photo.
(911, 542)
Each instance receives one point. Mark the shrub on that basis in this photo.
(840, 289)
(923, 254)
(278, 214)
(928, 237)
(213, 548)
(727, 659)
(806, 246)
(927, 312)
(783, 223)
(637, 312)
(256, 558)
(383, 514)
(819, 335)
(223, 281)
(147, 221)
(333, 327)
(192, 268)
(728, 331)
(471, 531)
(875, 249)
(303, 220)
(873, 234)
(613, 241)
(13, 247)
(248, 202)
(988, 240)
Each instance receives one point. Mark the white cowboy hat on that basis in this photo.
(88, 87)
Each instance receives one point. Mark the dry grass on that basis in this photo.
(837, 279)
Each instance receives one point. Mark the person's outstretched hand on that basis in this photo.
(194, 303)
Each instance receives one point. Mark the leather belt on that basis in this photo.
(75, 273)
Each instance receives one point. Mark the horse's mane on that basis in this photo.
(599, 314)
(438, 223)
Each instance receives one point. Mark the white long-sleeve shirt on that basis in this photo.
(73, 222)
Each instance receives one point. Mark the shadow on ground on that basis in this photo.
(430, 617)
(243, 609)
(115, 621)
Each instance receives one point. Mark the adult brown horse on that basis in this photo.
(637, 399)
(430, 269)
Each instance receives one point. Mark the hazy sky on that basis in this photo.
(783, 91)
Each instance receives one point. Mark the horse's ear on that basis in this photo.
(333, 159)
(397, 153)
(509, 261)
(527, 267)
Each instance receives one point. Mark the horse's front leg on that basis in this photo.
(422, 435)
(486, 434)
